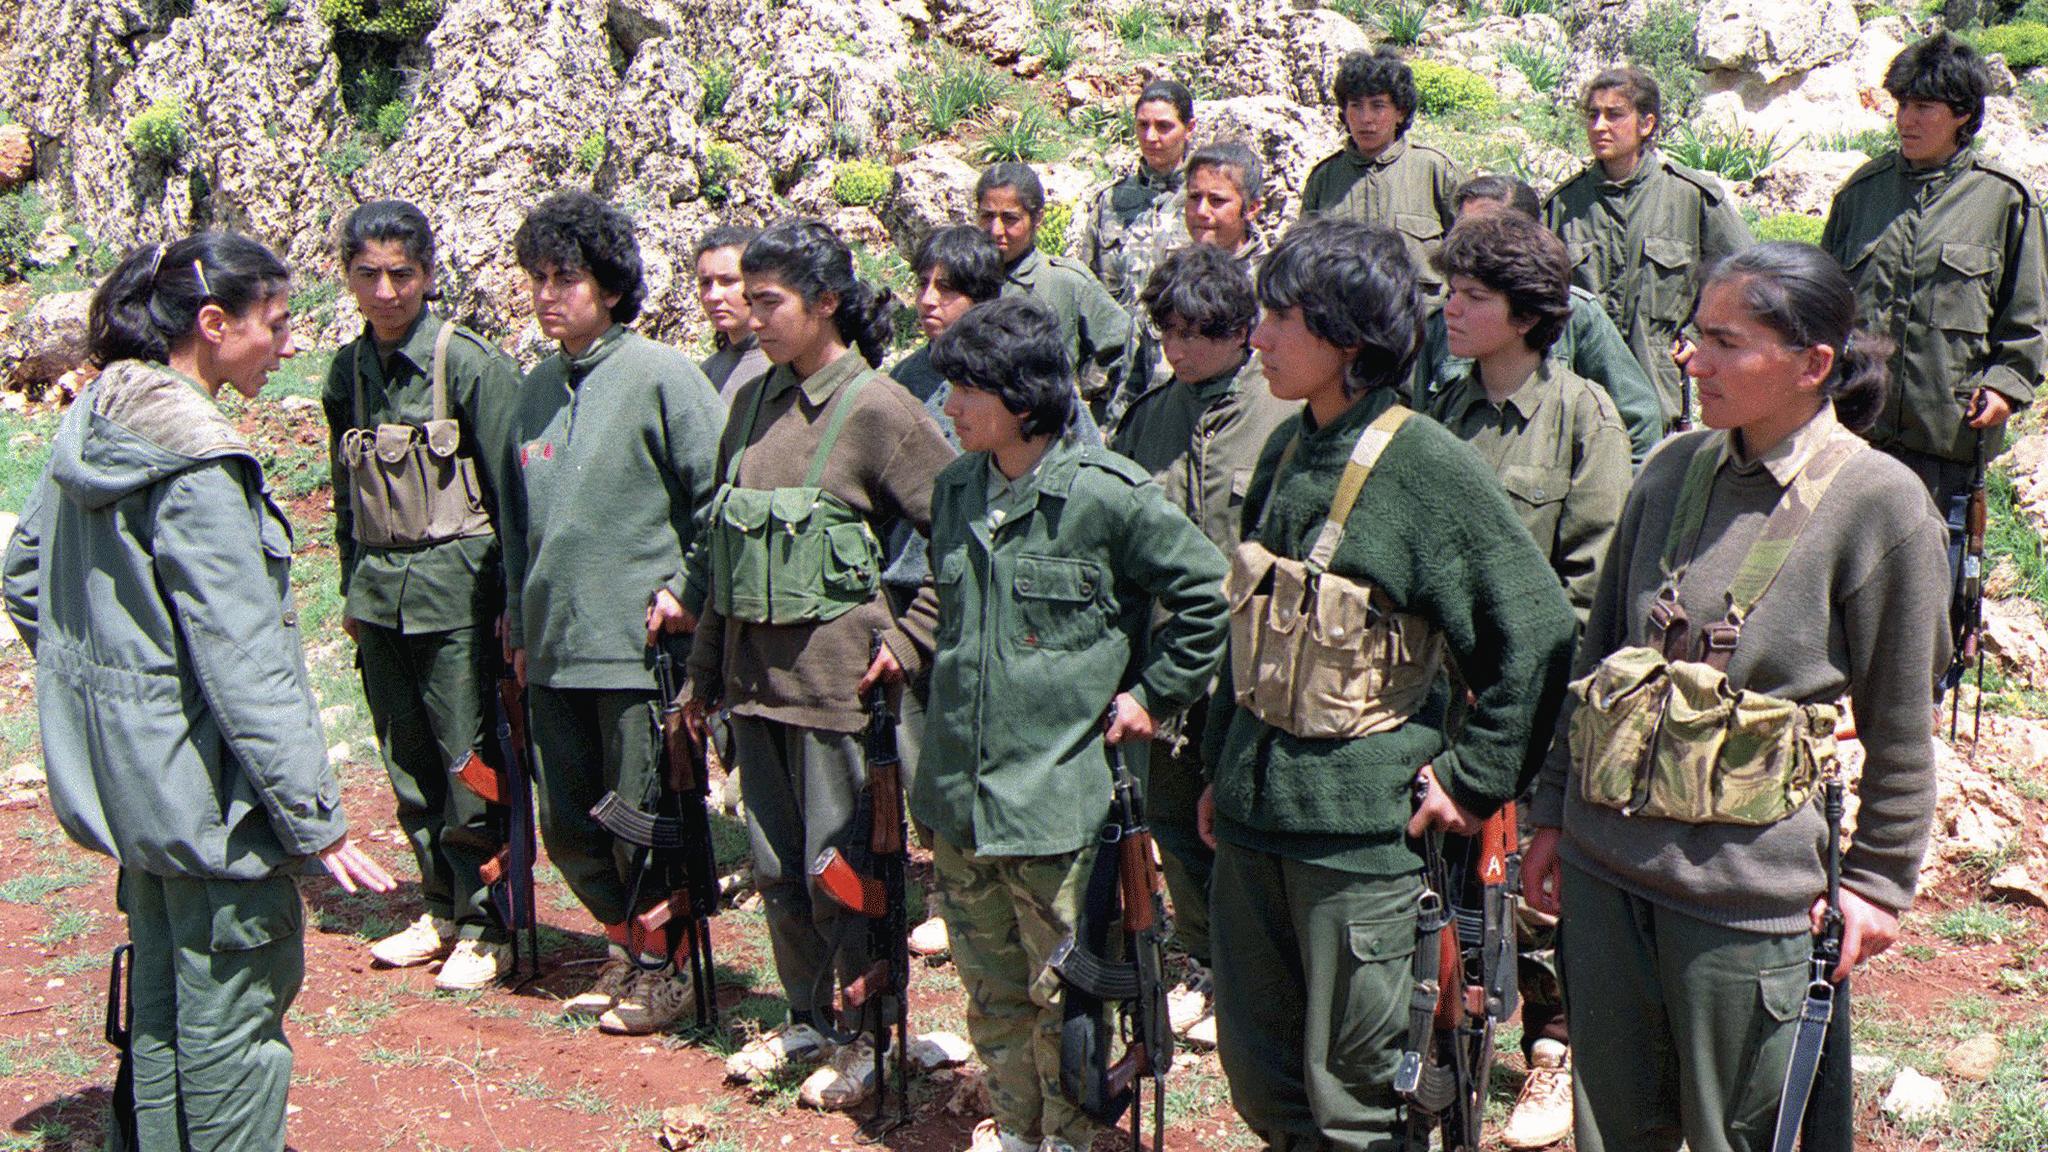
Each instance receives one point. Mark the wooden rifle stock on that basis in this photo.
(869, 984)
(1135, 1065)
(481, 778)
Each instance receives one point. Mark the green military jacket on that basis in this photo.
(618, 457)
(1201, 442)
(1098, 331)
(1949, 264)
(1640, 244)
(151, 578)
(437, 587)
(1407, 187)
(1433, 530)
(1043, 619)
(1127, 209)
(1590, 346)
(1558, 446)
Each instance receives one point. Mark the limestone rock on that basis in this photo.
(1317, 42)
(1771, 39)
(934, 188)
(934, 1050)
(1246, 49)
(1974, 1059)
(1289, 137)
(1973, 812)
(17, 157)
(2016, 640)
(1000, 30)
(818, 81)
(1804, 181)
(46, 341)
(1914, 1097)
(2016, 884)
(1843, 94)
(684, 1127)
(2026, 461)
(1871, 1066)
(53, 244)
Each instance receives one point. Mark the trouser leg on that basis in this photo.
(153, 1024)
(452, 689)
(1004, 916)
(1173, 791)
(1536, 978)
(587, 742)
(236, 960)
(414, 758)
(801, 785)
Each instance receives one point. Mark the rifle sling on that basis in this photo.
(1807, 1045)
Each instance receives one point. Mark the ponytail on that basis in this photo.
(866, 320)
(1858, 384)
(151, 300)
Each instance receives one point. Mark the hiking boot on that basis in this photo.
(776, 1049)
(423, 941)
(604, 992)
(1543, 1112)
(654, 999)
(929, 938)
(988, 1138)
(1193, 1001)
(844, 1082)
(473, 965)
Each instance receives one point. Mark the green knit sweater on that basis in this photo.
(1433, 529)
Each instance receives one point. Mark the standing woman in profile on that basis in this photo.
(151, 579)
(1763, 569)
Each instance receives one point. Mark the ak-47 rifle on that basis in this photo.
(119, 1033)
(1966, 606)
(1817, 1106)
(506, 782)
(1130, 877)
(867, 880)
(671, 835)
(1464, 971)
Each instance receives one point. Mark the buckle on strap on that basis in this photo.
(1670, 628)
(1717, 643)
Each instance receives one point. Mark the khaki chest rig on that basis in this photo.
(407, 486)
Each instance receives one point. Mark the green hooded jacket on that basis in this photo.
(150, 576)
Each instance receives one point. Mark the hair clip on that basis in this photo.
(156, 261)
(205, 290)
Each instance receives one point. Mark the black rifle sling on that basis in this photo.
(119, 1033)
(1422, 1081)
(1087, 1035)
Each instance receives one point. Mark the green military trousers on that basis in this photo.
(216, 964)
(801, 785)
(1004, 916)
(1681, 1029)
(1312, 984)
(425, 696)
(586, 742)
(1173, 793)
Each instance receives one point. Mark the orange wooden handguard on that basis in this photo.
(1450, 978)
(509, 699)
(847, 888)
(1499, 837)
(481, 779)
(885, 800)
(1137, 870)
(493, 870)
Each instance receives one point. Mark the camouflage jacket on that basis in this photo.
(1097, 330)
(1123, 215)
(1407, 187)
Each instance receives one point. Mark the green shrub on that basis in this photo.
(400, 20)
(1527, 7)
(1057, 46)
(1146, 30)
(276, 10)
(161, 131)
(1399, 22)
(1051, 237)
(1872, 142)
(1542, 68)
(1447, 88)
(1108, 125)
(21, 223)
(717, 77)
(858, 183)
(1051, 12)
(589, 152)
(963, 89)
(346, 158)
(1663, 47)
(2023, 45)
(1790, 226)
(390, 120)
(1731, 151)
(1032, 136)
(715, 172)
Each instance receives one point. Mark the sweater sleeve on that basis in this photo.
(1173, 561)
(693, 424)
(904, 492)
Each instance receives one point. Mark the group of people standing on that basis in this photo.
(1354, 534)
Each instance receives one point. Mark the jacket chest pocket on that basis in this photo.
(1537, 492)
(1056, 603)
(275, 532)
(1960, 288)
(1667, 281)
(949, 581)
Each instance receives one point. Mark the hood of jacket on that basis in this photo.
(142, 422)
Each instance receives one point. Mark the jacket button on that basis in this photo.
(1024, 584)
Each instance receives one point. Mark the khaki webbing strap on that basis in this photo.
(840, 411)
(440, 369)
(1371, 443)
(732, 466)
(1795, 507)
(1691, 513)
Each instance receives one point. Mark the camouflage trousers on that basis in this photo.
(1004, 915)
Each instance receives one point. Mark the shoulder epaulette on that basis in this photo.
(1870, 168)
(1992, 167)
(1116, 464)
(1576, 177)
(1709, 186)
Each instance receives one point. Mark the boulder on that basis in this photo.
(1843, 94)
(2026, 462)
(1974, 1059)
(1246, 50)
(1317, 42)
(45, 342)
(1915, 1098)
(1772, 40)
(2016, 884)
(935, 187)
(1000, 30)
(1289, 137)
(2016, 641)
(1804, 181)
(817, 82)
(17, 157)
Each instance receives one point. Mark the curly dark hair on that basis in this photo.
(1381, 73)
(1944, 69)
(1520, 259)
(573, 230)
(967, 260)
(1356, 289)
(1011, 347)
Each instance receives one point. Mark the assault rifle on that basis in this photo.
(1966, 606)
(1817, 1106)
(506, 782)
(1464, 969)
(1126, 873)
(120, 1033)
(671, 836)
(877, 894)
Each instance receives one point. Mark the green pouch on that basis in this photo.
(1614, 728)
(739, 553)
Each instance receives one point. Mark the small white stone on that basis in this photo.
(1915, 1098)
(1974, 1059)
(1871, 1066)
(939, 1050)
(338, 754)
(336, 714)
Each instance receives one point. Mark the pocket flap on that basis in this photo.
(1378, 941)
(394, 441)
(1620, 675)
(1055, 578)
(1344, 610)
(853, 545)
(793, 506)
(1250, 565)
(1670, 254)
(744, 508)
(1421, 225)
(1290, 595)
(443, 437)
(1533, 484)
(1969, 259)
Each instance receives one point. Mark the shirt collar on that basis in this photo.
(820, 385)
(1217, 386)
(1388, 155)
(591, 357)
(1651, 160)
(739, 347)
(1167, 181)
(1788, 456)
(417, 345)
(1027, 266)
(1470, 392)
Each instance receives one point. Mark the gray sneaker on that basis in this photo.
(604, 992)
(653, 1000)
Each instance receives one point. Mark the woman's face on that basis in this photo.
(570, 307)
(939, 304)
(1300, 365)
(1162, 135)
(1746, 374)
(1215, 209)
(390, 288)
(1195, 357)
(249, 347)
(722, 291)
(981, 420)
(788, 328)
(1478, 322)
(1003, 217)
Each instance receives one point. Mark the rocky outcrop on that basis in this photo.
(1272, 48)
(1290, 137)
(1841, 93)
(935, 187)
(17, 157)
(1805, 181)
(1770, 39)
(45, 342)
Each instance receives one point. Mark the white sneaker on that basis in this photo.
(472, 965)
(1192, 1001)
(844, 1082)
(424, 940)
(1201, 1035)
(604, 992)
(929, 938)
(1543, 1112)
(989, 1138)
(776, 1049)
(653, 1000)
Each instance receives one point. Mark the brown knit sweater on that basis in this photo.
(1859, 609)
(883, 466)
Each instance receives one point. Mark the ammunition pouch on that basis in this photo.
(409, 486)
(790, 555)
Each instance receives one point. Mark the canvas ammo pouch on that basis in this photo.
(1320, 655)
(407, 486)
(1661, 732)
(791, 555)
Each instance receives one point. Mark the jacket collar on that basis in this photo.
(1789, 455)
(1526, 400)
(819, 386)
(1388, 155)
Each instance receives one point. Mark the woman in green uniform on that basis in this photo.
(1774, 562)
(150, 577)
